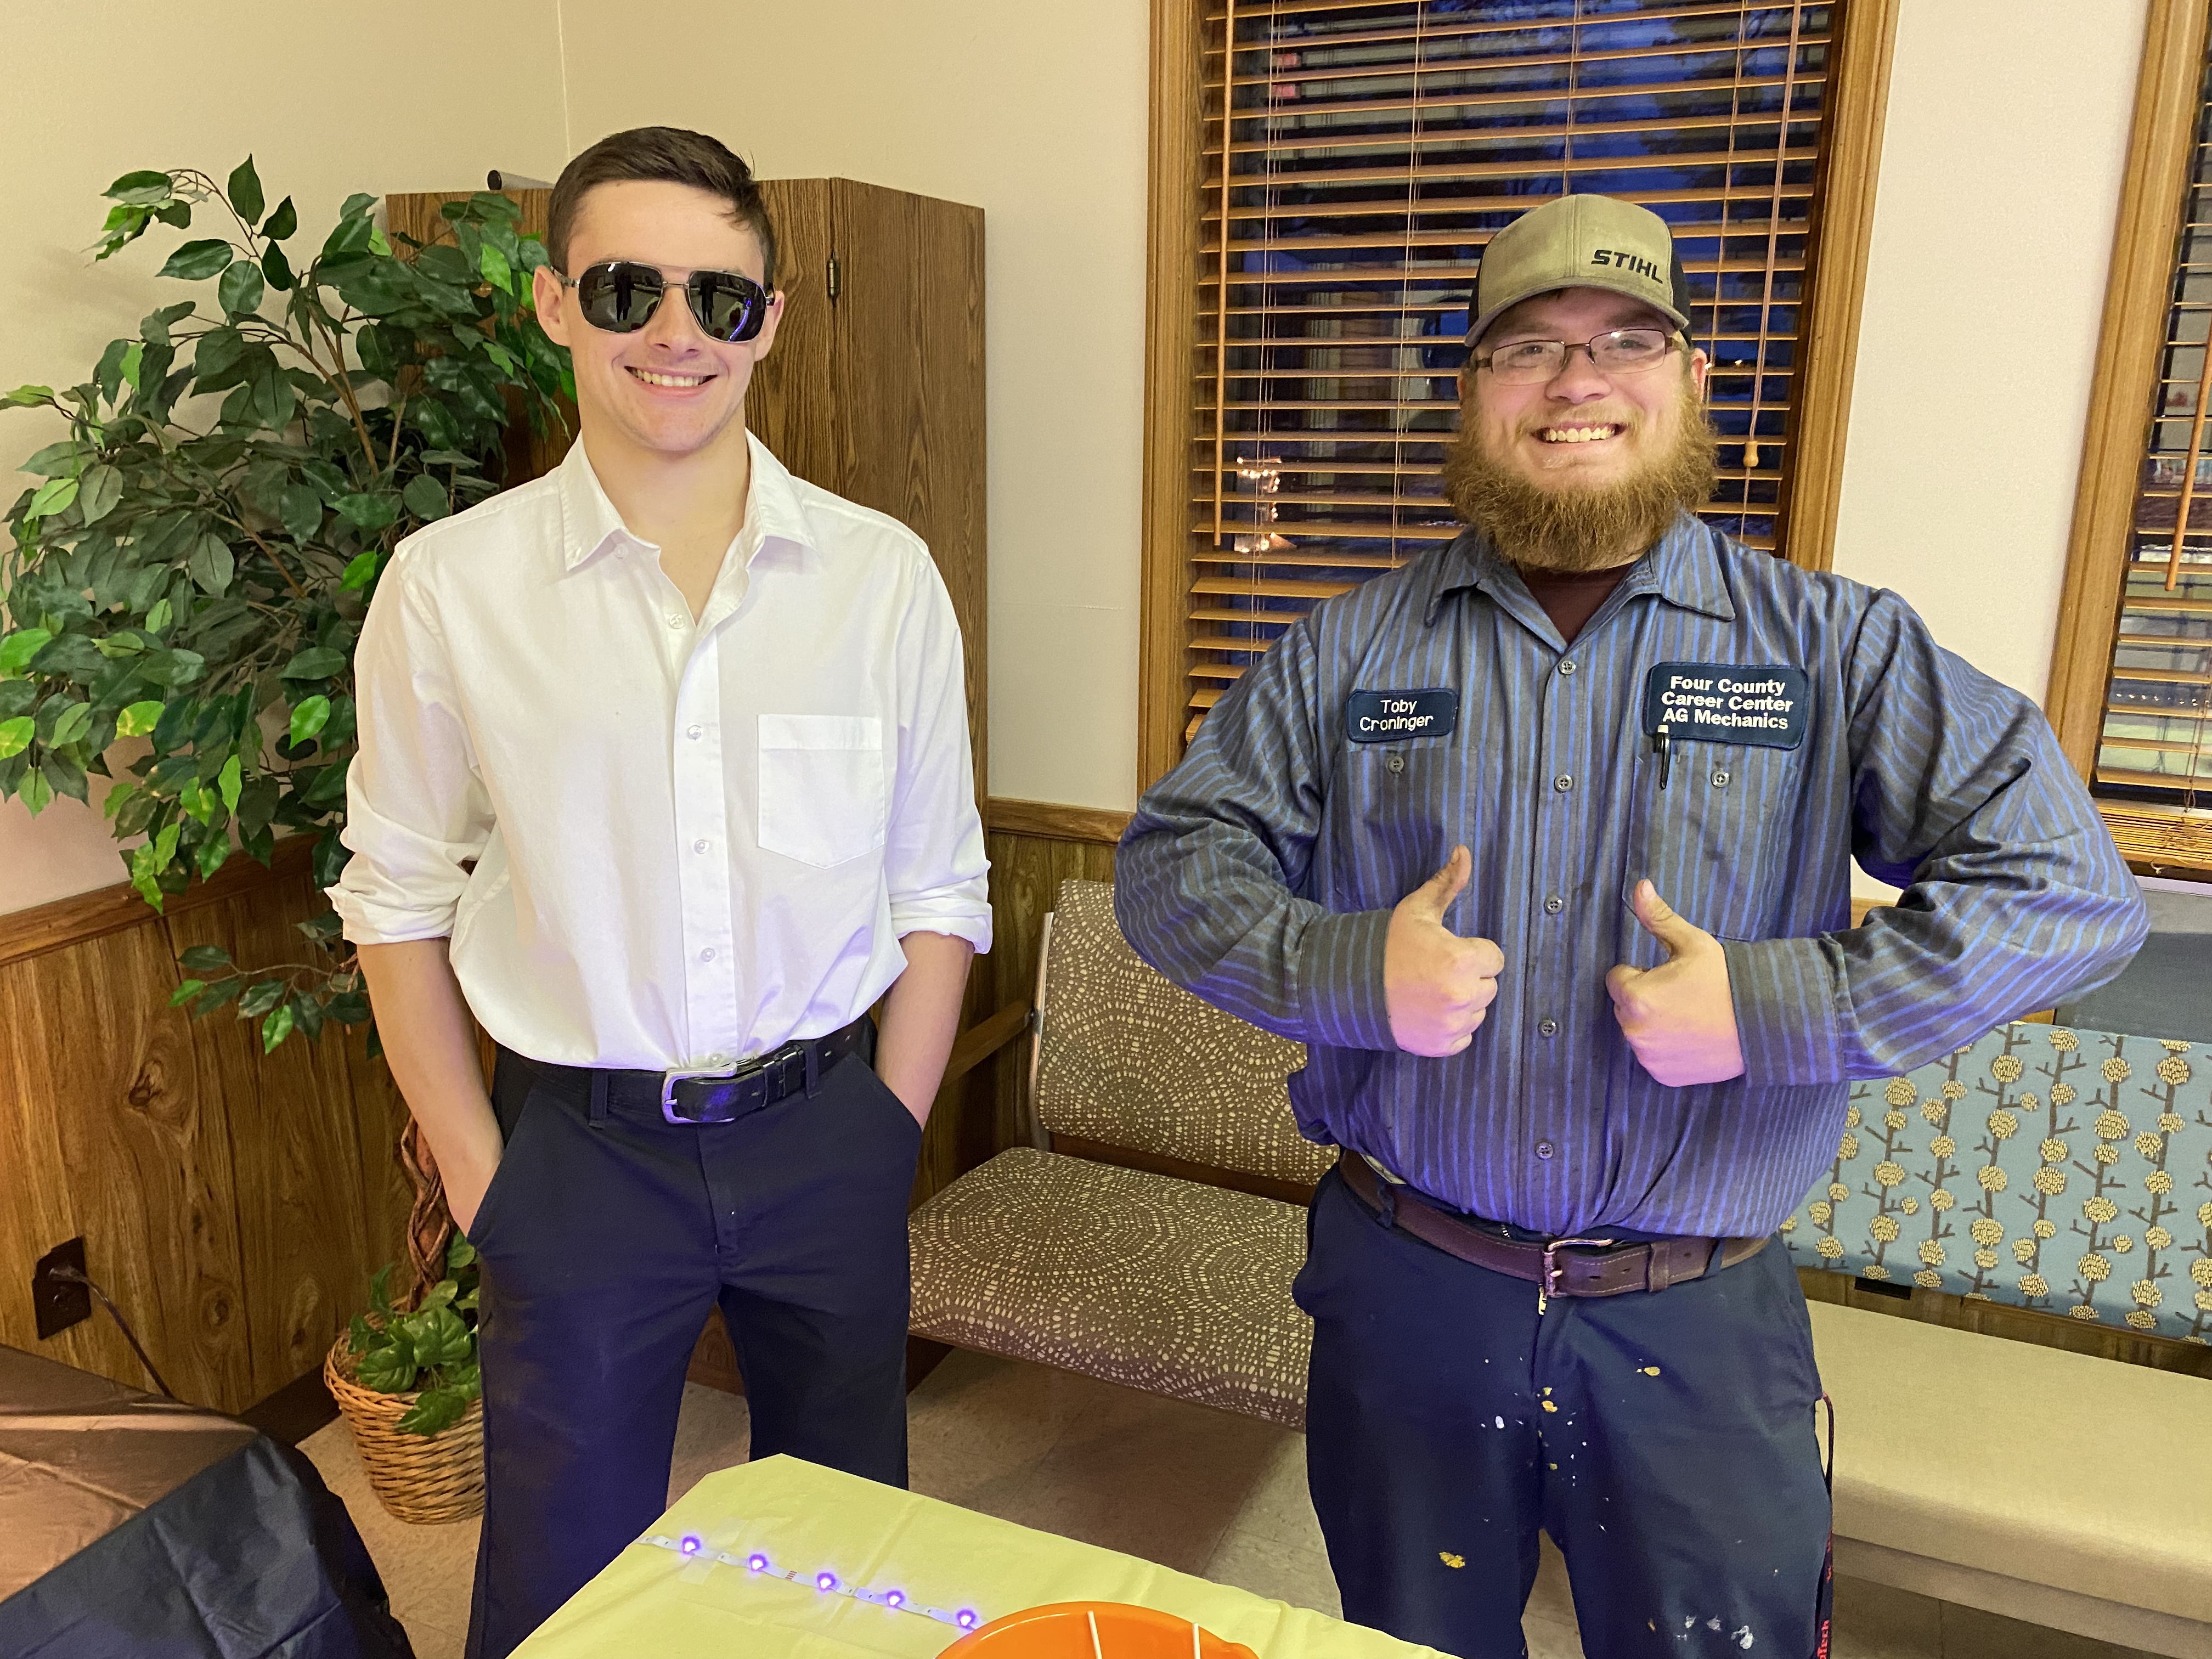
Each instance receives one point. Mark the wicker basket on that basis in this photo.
(423, 1479)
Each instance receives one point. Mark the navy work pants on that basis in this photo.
(1665, 1441)
(605, 1245)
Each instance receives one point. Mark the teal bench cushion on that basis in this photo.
(2070, 1171)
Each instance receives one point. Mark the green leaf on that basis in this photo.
(317, 662)
(154, 330)
(351, 234)
(276, 268)
(435, 1411)
(306, 1016)
(211, 563)
(207, 959)
(245, 191)
(101, 488)
(23, 397)
(423, 497)
(197, 800)
(379, 1293)
(368, 511)
(240, 289)
(260, 999)
(442, 1294)
(459, 1253)
(229, 782)
(185, 991)
(140, 189)
(16, 735)
(117, 798)
(165, 847)
(19, 648)
(299, 510)
(71, 726)
(439, 1336)
(309, 718)
(35, 792)
(389, 1369)
(212, 851)
(158, 617)
(53, 496)
(496, 270)
(281, 223)
(360, 571)
(360, 1337)
(276, 1029)
(137, 719)
(63, 460)
(133, 359)
(196, 261)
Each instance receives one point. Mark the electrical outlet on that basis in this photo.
(59, 1303)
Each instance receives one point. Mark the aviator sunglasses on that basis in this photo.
(620, 296)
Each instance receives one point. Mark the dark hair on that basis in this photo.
(664, 154)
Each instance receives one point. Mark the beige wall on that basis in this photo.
(2007, 128)
(2001, 174)
(411, 94)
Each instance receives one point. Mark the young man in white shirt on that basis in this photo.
(665, 777)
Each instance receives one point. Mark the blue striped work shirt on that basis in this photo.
(1260, 873)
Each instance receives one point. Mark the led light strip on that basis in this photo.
(692, 1547)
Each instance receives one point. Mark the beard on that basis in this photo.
(1578, 527)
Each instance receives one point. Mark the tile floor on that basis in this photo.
(1219, 1496)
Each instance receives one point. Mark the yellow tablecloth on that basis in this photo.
(655, 1599)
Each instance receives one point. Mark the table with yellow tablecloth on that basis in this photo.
(781, 1557)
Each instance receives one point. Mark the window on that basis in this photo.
(1319, 215)
(2130, 687)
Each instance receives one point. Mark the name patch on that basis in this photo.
(1729, 703)
(1395, 716)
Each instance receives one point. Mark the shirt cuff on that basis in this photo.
(1340, 998)
(1790, 1021)
(956, 918)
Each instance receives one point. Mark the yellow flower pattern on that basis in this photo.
(2071, 1137)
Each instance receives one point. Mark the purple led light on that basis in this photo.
(690, 1546)
(894, 1598)
(827, 1580)
(758, 1564)
(965, 1619)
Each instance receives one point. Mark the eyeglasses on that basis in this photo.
(1622, 351)
(620, 295)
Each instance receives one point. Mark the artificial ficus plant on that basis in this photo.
(193, 565)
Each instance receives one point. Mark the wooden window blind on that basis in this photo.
(2155, 742)
(1357, 156)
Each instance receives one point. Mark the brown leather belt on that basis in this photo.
(1564, 1266)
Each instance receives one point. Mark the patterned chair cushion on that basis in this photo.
(2068, 1171)
(1130, 1060)
(1142, 1279)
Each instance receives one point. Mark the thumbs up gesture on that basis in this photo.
(1437, 985)
(1679, 1017)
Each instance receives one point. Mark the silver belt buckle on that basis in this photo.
(1549, 1285)
(689, 1074)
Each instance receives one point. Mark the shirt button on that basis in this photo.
(1563, 783)
(707, 955)
(675, 621)
(1547, 1027)
(1568, 666)
(694, 732)
(1396, 763)
(1553, 905)
(699, 846)
(1720, 780)
(1545, 1149)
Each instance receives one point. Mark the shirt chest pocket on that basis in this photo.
(1706, 827)
(822, 798)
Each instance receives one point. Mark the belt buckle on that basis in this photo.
(1548, 1286)
(669, 1079)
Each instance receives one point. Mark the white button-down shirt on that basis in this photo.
(654, 843)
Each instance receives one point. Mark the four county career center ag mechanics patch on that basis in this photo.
(1395, 716)
(1729, 703)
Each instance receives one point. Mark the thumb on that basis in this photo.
(1434, 897)
(1660, 920)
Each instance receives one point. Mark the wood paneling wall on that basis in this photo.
(233, 1206)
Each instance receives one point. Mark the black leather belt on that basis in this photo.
(719, 1094)
(1560, 1266)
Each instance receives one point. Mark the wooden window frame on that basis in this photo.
(2137, 294)
(1844, 228)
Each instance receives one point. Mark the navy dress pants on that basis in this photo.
(1665, 1441)
(605, 1245)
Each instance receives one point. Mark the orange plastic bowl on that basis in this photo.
(1063, 1630)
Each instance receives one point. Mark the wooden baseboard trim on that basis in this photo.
(71, 921)
(1053, 822)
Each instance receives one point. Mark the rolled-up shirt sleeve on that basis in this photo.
(417, 814)
(935, 869)
(2014, 895)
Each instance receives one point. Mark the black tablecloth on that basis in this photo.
(131, 1525)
